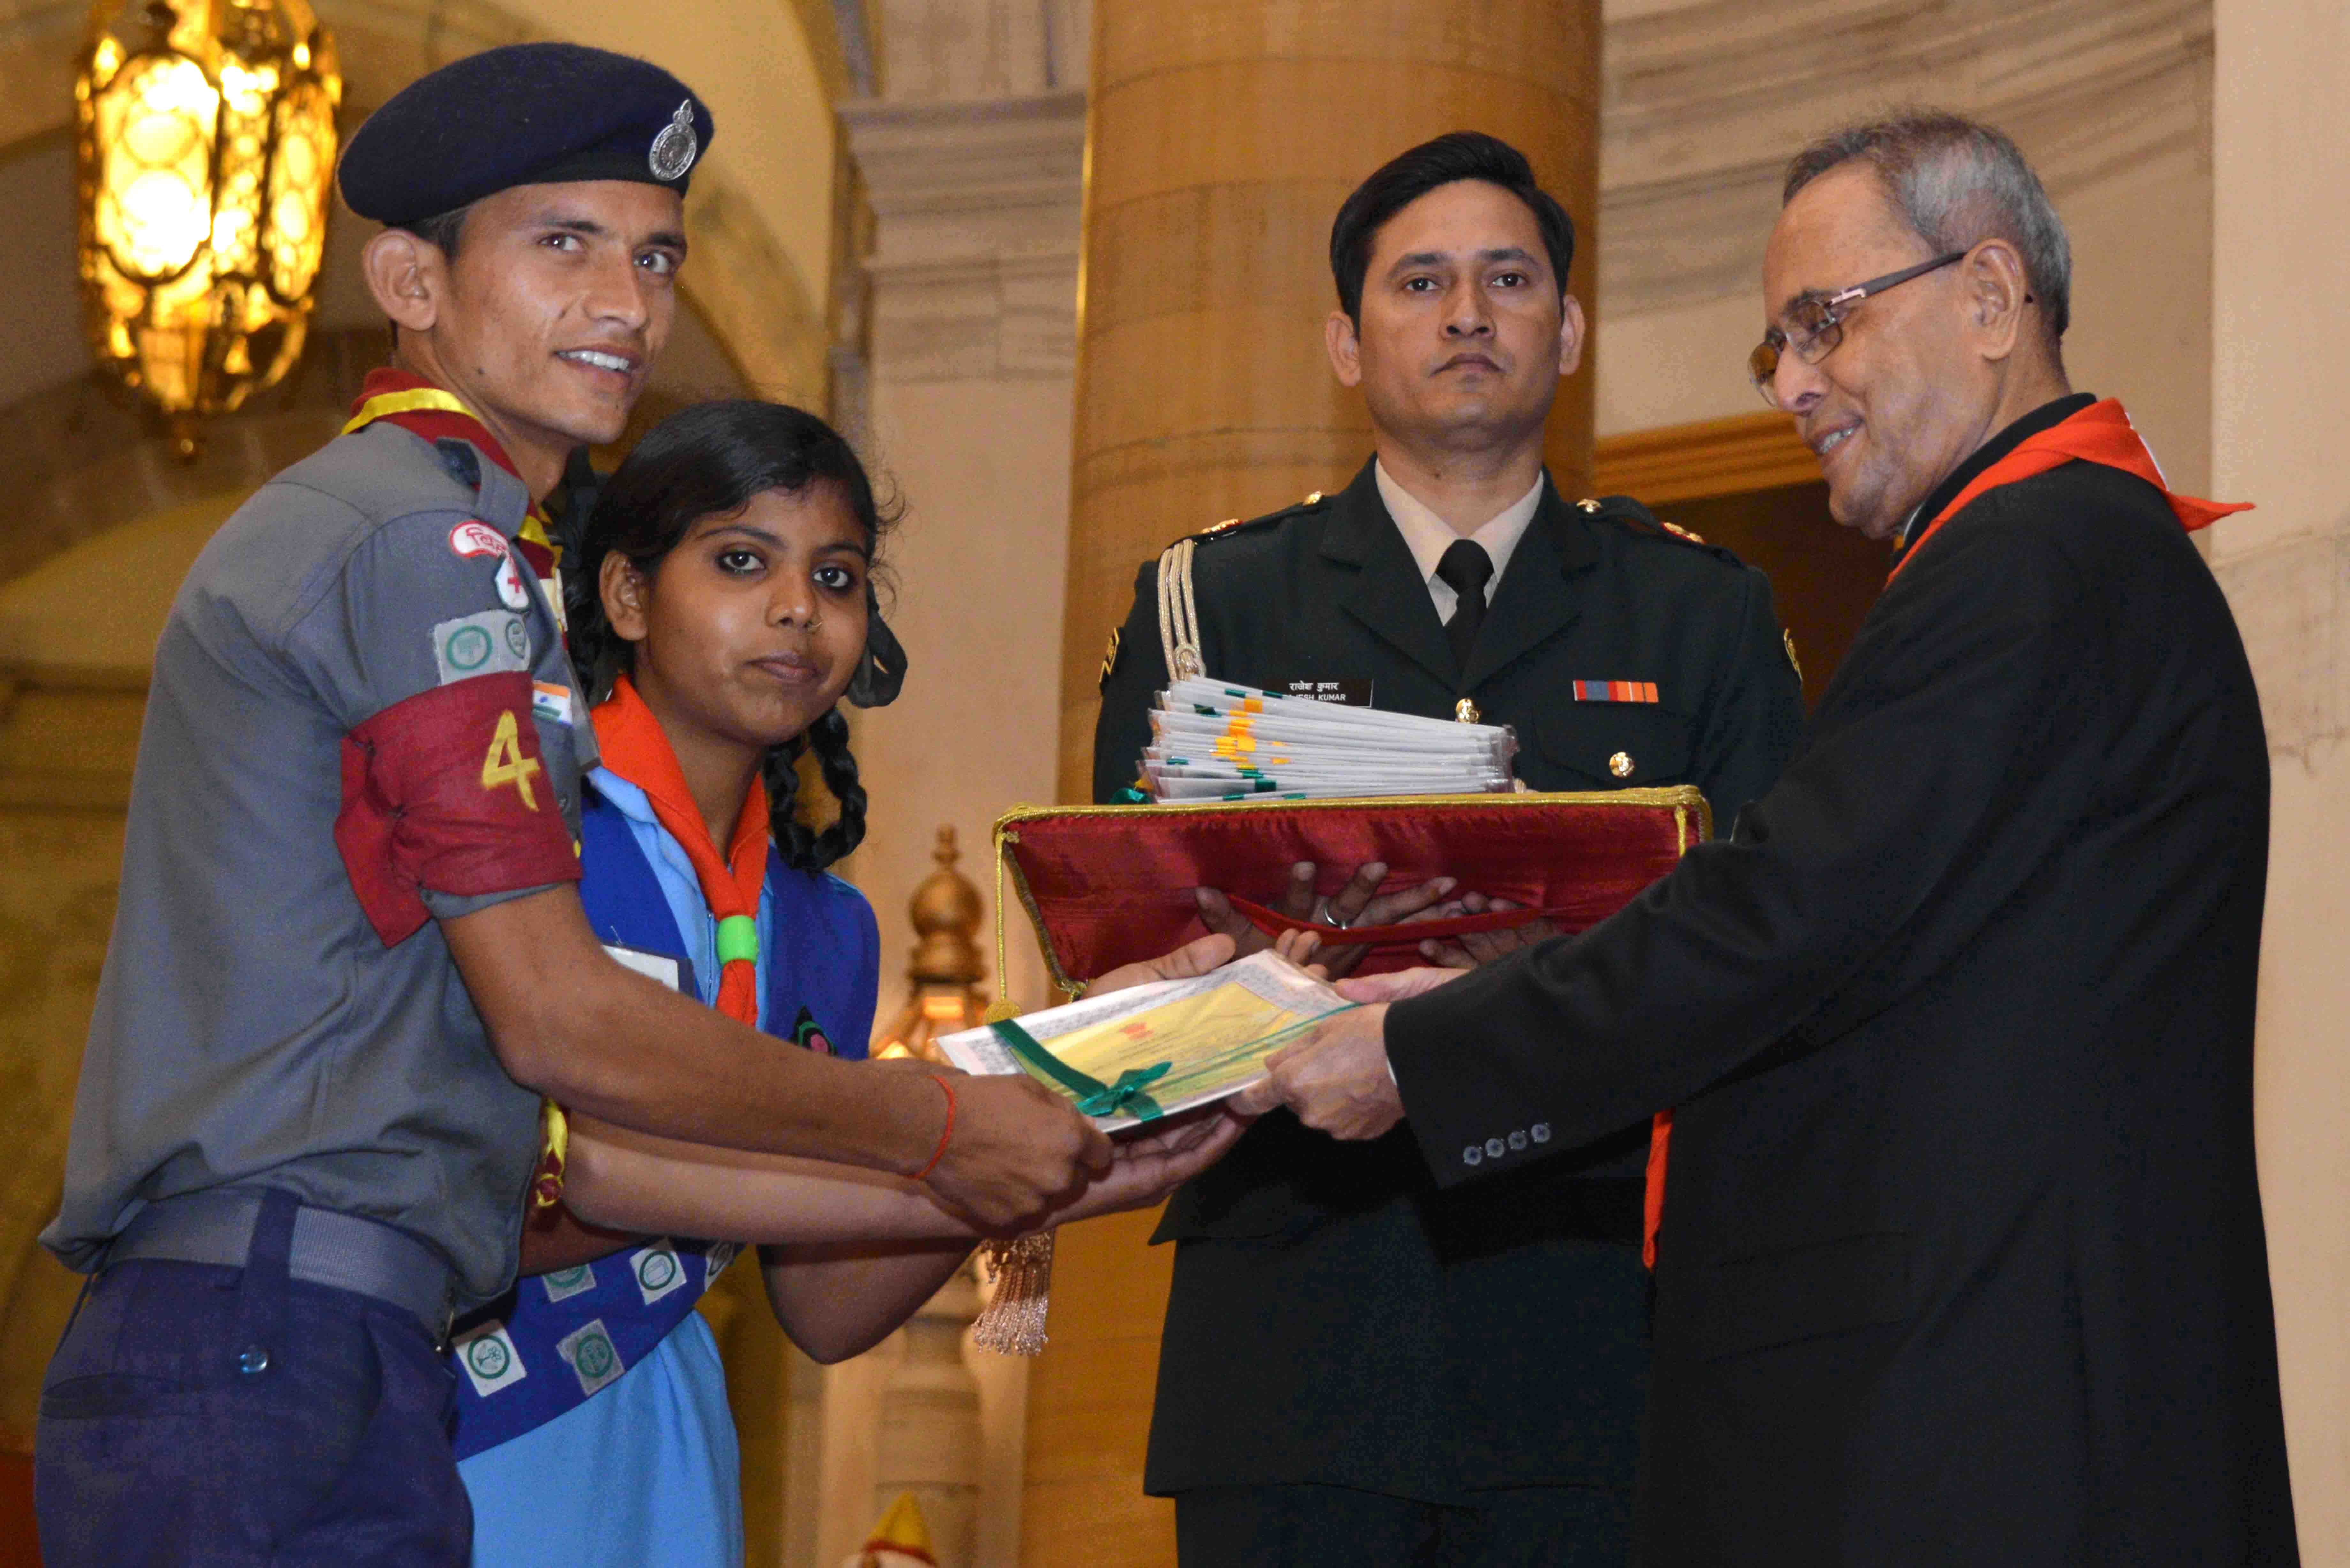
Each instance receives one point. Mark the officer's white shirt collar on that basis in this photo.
(1428, 536)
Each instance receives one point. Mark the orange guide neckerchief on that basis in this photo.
(635, 747)
(2102, 433)
(420, 407)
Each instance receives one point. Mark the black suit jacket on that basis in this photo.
(1962, 1258)
(1334, 1319)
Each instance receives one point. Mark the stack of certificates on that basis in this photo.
(1212, 740)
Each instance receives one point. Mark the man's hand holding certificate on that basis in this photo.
(1134, 1055)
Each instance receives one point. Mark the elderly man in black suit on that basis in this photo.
(1961, 1258)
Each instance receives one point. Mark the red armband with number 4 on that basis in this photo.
(446, 791)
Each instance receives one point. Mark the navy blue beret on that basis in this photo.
(527, 114)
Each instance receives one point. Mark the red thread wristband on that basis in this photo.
(945, 1132)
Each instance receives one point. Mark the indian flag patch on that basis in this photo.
(550, 703)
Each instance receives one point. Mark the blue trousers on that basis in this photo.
(197, 1414)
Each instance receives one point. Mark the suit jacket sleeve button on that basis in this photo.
(1541, 1132)
(1518, 1140)
(1473, 1154)
(1496, 1147)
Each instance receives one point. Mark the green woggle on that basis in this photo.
(738, 938)
(1094, 1098)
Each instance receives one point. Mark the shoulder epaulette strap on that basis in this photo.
(1623, 509)
(1234, 525)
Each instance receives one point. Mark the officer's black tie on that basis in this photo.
(1465, 569)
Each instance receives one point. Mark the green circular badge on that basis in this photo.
(468, 647)
(488, 1356)
(563, 1279)
(594, 1356)
(657, 1270)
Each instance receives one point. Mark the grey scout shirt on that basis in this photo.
(252, 1026)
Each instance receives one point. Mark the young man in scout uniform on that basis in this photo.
(349, 960)
(1962, 1258)
(1357, 1368)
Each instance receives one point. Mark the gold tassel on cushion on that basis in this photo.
(1012, 1322)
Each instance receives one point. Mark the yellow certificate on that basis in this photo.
(1135, 1056)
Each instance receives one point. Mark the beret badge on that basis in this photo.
(675, 149)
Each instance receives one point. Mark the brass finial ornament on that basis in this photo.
(945, 972)
(946, 968)
(204, 144)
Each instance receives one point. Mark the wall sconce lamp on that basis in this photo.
(205, 144)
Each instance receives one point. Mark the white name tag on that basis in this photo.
(652, 966)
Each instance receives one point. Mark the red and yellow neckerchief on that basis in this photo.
(417, 406)
(2099, 433)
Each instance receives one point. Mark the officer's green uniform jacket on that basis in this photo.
(1332, 1318)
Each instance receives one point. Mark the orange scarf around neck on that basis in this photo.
(2099, 433)
(635, 746)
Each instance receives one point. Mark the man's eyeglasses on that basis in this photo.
(1817, 324)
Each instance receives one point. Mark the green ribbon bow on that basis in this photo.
(1094, 1098)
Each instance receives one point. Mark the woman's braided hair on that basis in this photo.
(710, 460)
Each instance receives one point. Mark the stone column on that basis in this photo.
(1223, 134)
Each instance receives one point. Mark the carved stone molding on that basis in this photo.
(969, 50)
(974, 260)
(1704, 104)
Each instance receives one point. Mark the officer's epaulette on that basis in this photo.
(1232, 525)
(1623, 509)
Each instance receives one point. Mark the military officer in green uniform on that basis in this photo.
(1355, 1369)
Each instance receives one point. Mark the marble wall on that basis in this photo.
(2281, 385)
(2111, 103)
